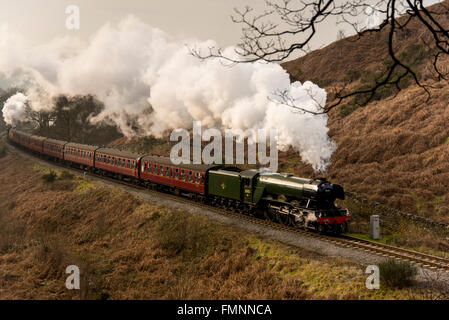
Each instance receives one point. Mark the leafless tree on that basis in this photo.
(265, 40)
(41, 119)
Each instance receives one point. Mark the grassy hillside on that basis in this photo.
(129, 249)
(394, 149)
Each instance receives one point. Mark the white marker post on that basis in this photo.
(374, 227)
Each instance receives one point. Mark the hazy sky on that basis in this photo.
(42, 20)
(202, 19)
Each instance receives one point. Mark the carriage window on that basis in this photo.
(119, 162)
(183, 175)
(154, 169)
(123, 163)
(167, 172)
(128, 164)
(113, 160)
(177, 174)
(197, 178)
(202, 179)
(190, 178)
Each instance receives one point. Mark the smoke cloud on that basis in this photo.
(14, 108)
(148, 81)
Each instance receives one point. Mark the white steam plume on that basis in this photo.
(14, 108)
(141, 74)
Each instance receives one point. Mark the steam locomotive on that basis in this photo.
(280, 197)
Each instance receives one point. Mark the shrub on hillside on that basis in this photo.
(50, 176)
(352, 75)
(397, 274)
(178, 233)
(65, 175)
(413, 56)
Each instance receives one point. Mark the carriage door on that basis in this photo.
(247, 189)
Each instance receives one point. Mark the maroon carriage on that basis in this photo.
(81, 154)
(189, 177)
(22, 138)
(54, 148)
(120, 163)
(36, 143)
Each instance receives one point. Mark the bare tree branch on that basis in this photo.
(264, 40)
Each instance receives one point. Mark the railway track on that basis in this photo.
(418, 258)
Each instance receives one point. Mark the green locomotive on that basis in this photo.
(290, 200)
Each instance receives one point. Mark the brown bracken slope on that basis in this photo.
(394, 150)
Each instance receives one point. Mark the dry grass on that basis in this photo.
(395, 150)
(128, 249)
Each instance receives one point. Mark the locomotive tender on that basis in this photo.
(280, 197)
